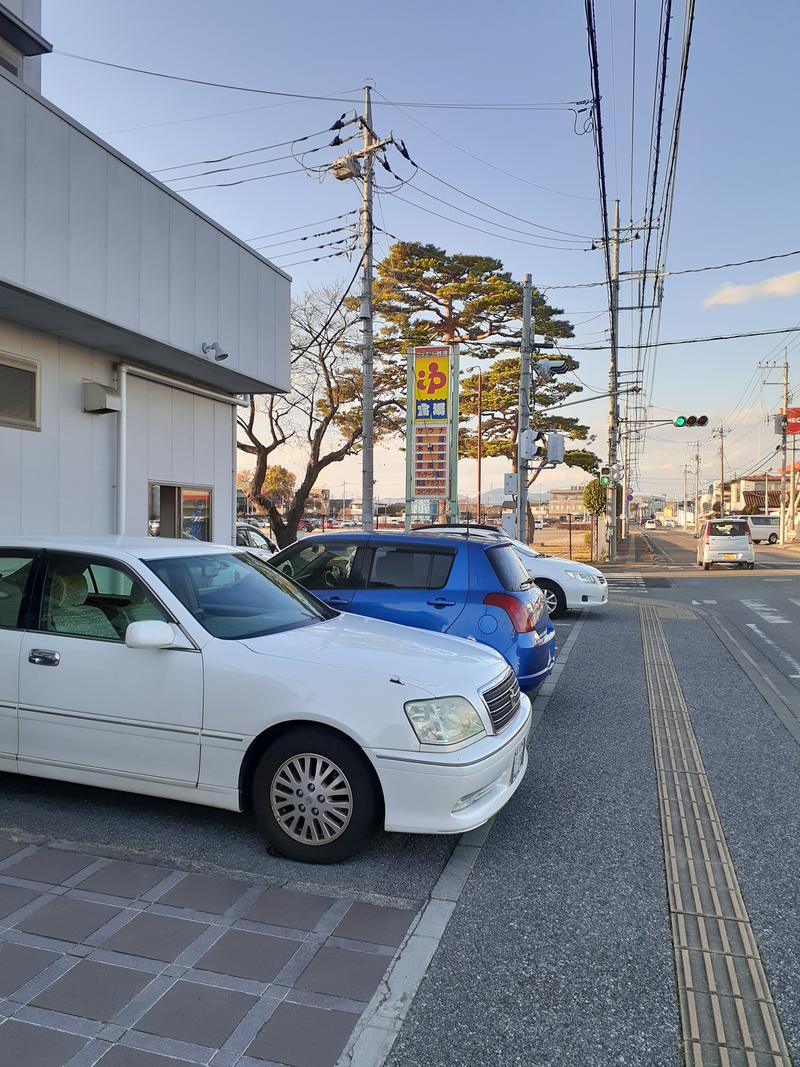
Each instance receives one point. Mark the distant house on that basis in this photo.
(565, 502)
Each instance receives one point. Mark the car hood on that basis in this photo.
(443, 665)
(550, 566)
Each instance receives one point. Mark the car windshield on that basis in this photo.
(523, 549)
(727, 529)
(237, 595)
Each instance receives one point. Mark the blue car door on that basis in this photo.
(326, 567)
(414, 584)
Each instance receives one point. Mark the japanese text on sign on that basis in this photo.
(431, 384)
(431, 467)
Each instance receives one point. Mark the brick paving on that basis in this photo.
(124, 964)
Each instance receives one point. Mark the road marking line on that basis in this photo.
(708, 915)
(774, 644)
(766, 613)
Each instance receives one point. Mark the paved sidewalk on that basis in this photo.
(129, 965)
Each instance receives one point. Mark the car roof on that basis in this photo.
(451, 538)
(138, 547)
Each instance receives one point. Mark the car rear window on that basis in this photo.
(727, 529)
(396, 567)
(509, 568)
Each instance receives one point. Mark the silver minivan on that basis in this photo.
(726, 541)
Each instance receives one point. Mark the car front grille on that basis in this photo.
(503, 701)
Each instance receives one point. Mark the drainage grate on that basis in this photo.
(726, 1008)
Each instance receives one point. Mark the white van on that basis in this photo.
(762, 527)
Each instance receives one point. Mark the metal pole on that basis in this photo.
(524, 410)
(782, 536)
(367, 457)
(793, 487)
(766, 492)
(480, 433)
(685, 490)
(410, 439)
(455, 385)
(613, 409)
(697, 489)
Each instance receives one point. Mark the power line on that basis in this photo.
(305, 226)
(243, 152)
(478, 229)
(691, 340)
(491, 222)
(308, 237)
(479, 159)
(333, 314)
(241, 181)
(501, 211)
(565, 105)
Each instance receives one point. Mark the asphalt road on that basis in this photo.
(761, 608)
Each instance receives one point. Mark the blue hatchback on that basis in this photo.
(468, 588)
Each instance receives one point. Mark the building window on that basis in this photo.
(19, 393)
(10, 58)
(179, 511)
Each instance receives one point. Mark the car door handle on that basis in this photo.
(441, 602)
(338, 601)
(42, 657)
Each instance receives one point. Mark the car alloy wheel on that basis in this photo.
(304, 763)
(311, 799)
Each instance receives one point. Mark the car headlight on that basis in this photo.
(444, 720)
(582, 576)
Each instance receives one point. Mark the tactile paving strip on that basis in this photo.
(727, 1013)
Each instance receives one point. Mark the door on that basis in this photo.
(16, 569)
(415, 585)
(328, 567)
(86, 700)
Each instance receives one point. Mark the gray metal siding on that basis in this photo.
(85, 228)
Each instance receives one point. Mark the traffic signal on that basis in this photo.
(544, 369)
(605, 476)
(691, 420)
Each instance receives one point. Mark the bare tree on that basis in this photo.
(322, 413)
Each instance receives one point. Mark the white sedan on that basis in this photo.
(567, 586)
(198, 673)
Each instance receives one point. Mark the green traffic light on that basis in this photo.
(680, 420)
(604, 480)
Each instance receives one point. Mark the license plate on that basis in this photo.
(519, 759)
(729, 555)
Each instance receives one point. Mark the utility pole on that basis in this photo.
(480, 436)
(697, 489)
(782, 538)
(721, 433)
(367, 367)
(685, 491)
(613, 406)
(524, 418)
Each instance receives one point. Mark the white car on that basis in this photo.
(567, 586)
(247, 536)
(197, 672)
(726, 541)
(651, 524)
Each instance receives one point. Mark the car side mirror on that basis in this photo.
(150, 633)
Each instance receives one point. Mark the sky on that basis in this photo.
(736, 191)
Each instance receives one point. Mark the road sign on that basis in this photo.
(629, 497)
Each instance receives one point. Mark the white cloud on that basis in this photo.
(780, 285)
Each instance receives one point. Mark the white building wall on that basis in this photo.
(62, 478)
(85, 227)
(178, 438)
(29, 12)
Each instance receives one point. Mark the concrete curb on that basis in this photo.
(376, 1032)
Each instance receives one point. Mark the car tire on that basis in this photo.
(329, 759)
(772, 539)
(750, 566)
(706, 566)
(554, 597)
